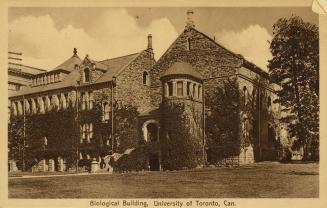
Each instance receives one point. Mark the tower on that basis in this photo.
(181, 137)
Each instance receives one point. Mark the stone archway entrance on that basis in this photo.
(151, 131)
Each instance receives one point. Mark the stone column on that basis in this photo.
(94, 166)
(200, 92)
(43, 166)
(61, 164)
(12, 166)
(51, 165)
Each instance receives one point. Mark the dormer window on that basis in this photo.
(86, 77)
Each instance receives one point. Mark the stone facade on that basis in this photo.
(138, 80)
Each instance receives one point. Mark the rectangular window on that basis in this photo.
(170, 88)
(179, 88)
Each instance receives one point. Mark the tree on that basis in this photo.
(295, 66)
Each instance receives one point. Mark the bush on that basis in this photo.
(136, 160)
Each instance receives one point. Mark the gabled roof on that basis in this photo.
(115, 65)
(69, 65)
(98, 65)
(112, 66)
(246, 63)
(182, 68)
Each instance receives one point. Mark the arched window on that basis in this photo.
(106, 111)
(245, 94)
(14, 108)
(33, 106)
(91, 100)
(83, 101)
(146, 78)
(188, 44)
(90, 132)
(86, 75)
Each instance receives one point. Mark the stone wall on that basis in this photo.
(130, 88)
(205, 55)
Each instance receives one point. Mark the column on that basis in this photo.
(51, 165)
(61, 164)
(200, 92)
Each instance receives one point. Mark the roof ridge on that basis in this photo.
(120, 56)
(17, 64)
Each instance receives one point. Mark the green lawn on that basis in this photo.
(267, 180)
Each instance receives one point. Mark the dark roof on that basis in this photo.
(115, 65)
(24, 68)
(69, 65)
(68, 81)
(112, 66)
(182, 68)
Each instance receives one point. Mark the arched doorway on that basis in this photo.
(151, 131)
(154, 162)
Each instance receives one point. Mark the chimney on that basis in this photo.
(75, 52)
(189, 21)
(149, 41)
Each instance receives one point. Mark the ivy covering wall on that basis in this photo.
(181, 147)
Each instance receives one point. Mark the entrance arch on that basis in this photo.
(154, 162)
(151, 131)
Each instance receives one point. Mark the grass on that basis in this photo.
(265, 180)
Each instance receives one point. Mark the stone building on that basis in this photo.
(185, 75)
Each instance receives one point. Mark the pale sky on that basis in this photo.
(47, 36)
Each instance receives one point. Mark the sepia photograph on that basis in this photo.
(163, 102)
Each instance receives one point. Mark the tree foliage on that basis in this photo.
(295, 66)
